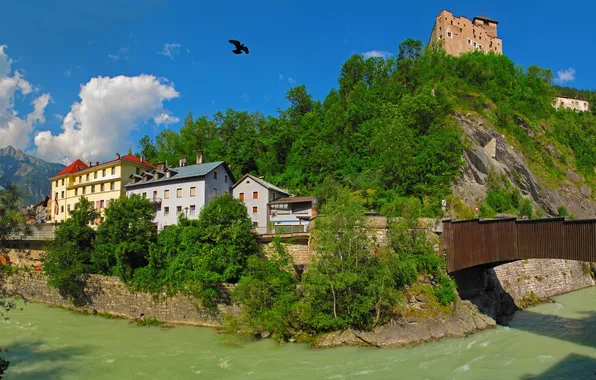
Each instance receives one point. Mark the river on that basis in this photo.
(550, 341)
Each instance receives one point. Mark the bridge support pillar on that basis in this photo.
(470, 282)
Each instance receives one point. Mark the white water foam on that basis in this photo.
(544, 358)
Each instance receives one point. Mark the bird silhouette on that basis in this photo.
(239, 47)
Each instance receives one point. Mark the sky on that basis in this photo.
(88, 79)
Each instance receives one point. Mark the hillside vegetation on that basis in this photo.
(388, 130)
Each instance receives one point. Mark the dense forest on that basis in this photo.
(387, 131)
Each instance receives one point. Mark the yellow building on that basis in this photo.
(99, 183)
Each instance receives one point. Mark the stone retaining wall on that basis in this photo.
(110, 295)
(544, 277)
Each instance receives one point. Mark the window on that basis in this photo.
(62, 181)
(179, 193)
(166, 211)
(62, 209)
(102, 187)
(225, 178)
(103, 173)
(144, 195)
(137, 171)
(76, 192)
(255, 195)
(113, 171)
(93, 188)
(440, 35)
(449, 35)
(178, 209)
(469, 41)
(480, 47)
(56, 197)
(255, 209)
(214, 192)
(68, 208)
(241, 196)
(101, 204)
(192, 209)
(474, 43)
(95, 175)
(62, 194)
(87, 178)
(215, 174)
(193, 191)
(166, 194)
(56, 183)
(84, 189)
(112, 185)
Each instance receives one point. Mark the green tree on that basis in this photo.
(123, 239)
(68, 258)
(148, 149)
(410, 49)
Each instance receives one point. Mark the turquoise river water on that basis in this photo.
(550, 341)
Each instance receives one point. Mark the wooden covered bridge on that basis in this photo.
(489, 243)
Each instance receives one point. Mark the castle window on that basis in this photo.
(474, 43)
(451, 22)
(449, 35)
(440, 35)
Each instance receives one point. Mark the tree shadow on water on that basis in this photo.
(31, 360)
(576, 330)
(574, 366)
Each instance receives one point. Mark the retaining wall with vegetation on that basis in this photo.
(110, 295)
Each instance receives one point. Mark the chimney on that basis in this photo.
(96, 163)
(117, 156)
(199, 156)
(160, 166)
(90, 164)
(142, 158)
(182, 162)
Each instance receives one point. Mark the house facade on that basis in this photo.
(181, 190)
(272, 209)
(572, 103)
(256, 193)
(99, 183)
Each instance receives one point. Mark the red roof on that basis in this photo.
(73, 168)
(133, 158)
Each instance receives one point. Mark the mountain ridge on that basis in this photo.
(30, 172)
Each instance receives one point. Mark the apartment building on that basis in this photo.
(100, 183)
(572, 103)
(181, 190)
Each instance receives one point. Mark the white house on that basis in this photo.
(271, 208)
(185, 189)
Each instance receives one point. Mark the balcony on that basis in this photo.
(155, 201)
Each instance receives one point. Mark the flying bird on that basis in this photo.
(239, 47)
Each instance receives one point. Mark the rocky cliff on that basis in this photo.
(489, 149)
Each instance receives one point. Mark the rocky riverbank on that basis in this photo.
(409, 331)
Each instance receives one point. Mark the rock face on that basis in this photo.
(489, 149)
(403, 332)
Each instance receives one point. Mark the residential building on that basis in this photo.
(99, 183)
(182, 190)
(256, 193)
(460, 34)
(271, 208)
(292, 214)
(572, 103)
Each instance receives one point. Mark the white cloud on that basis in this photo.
(114, 57)
(188, 50)
(99, 124)
(281, 76)
(58, 116)
(291, 80)
(165, 118)
(564, 76)
(120, 55)
(376, 53)
(67, 72)
(15, 130)
(169, 50)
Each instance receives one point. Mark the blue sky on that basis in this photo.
(59, 47)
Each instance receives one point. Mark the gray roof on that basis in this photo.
(486, 18)
(292, 200)
(261, 182)
(197, 170)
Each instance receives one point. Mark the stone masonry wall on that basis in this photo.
(546, 278)
(110, 295)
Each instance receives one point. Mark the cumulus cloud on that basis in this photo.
(15, 130)
(165, 118)
(567, 75)
(376, 53)
(68, 72)
(291, 80)
(100, 123)
(169, 50)
(281, 76)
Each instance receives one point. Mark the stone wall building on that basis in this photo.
(460, 34)
(572, 103)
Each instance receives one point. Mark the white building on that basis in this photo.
(185, 189)
(273, 209)
(572, 103)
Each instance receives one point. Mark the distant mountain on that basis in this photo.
(30, 172)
